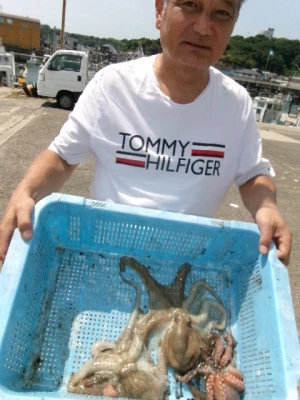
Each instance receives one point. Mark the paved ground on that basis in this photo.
(27, 125)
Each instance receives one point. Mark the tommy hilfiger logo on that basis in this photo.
(208, 150)
(134, 159)
(190, 157)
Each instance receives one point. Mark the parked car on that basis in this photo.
(64, 77)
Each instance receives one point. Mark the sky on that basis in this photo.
(133, 19)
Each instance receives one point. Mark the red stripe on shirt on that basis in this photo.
(134, 163)
(208, 153)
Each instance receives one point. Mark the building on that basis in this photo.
(70, 42)
(277, 110)
(20, 33)
(267, 109)
(248, 73)
(269, 33)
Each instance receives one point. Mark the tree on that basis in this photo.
(253, 52)
(249, 52)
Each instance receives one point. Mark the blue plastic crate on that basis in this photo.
(62, 292)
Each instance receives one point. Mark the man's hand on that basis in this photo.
(46, 174)
(17, 215)
(259, 197)
(274, 228)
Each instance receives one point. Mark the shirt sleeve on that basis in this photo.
(73, 143)
(251, 163)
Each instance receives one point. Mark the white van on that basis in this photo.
(64, 76)
(7, 68)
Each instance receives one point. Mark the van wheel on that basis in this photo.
(65, 100)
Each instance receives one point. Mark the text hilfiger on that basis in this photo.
(190, 157)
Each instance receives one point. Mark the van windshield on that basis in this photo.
(65, 62)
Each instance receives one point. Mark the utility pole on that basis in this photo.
(62, 32)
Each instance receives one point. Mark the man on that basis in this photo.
(168, 132)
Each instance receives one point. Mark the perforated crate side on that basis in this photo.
(94, 226)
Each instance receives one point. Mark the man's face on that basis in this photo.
(196, 33)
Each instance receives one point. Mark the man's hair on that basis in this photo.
(240, 2)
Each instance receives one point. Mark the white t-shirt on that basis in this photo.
(152, 152)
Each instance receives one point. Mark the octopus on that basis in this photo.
(183, 342)
(123, 368)
(183, 323)
(222, 380)
(188, 340)
(204, 313)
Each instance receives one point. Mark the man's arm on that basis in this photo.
(47, 173)
(259, 197)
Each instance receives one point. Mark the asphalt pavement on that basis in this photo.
(28, 124)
